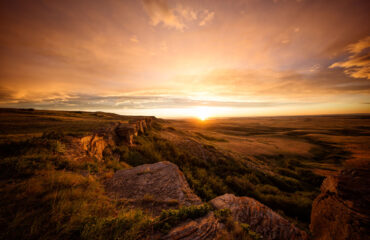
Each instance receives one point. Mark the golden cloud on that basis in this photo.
(160, 12)
(357, 65)
(208, 17)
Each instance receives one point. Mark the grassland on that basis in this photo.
(281, 162)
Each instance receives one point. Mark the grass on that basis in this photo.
(224, 174)
(46, 195)
(210, 138)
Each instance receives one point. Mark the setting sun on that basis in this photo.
(203, 113)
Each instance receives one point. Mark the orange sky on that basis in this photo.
(179, 58)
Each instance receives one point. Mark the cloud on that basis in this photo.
(160, 12)
(82, 101)
(357, 65)
(187, 13)
(208, 17)
(6, 95)
(277, 84)
(134, 39)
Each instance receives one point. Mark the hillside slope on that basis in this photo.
(79, 175)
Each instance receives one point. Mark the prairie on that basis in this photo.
(279, 161)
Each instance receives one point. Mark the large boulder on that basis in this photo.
(160, 182)
(342, 209)
(261, 219)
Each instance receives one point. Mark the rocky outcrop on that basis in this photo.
(94, 146)
(87, 148)
(261, 219)
(127, 132)
(161, 182)
(149, 121)
(342, 210)
(207, 227)
(139, 125)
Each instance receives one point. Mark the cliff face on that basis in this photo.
(94, 145)
(342, 210)
(260, 218)
(127, 132)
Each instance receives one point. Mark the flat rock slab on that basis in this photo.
(161, 182)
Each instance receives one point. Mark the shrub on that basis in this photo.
(128, 224)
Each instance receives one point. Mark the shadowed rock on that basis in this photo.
(143, 122)
(149, 121)
(260, 218)
(342, 210)
(139, 125)
(161, 182)
(126, 132)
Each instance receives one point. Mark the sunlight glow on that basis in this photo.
(203, 113)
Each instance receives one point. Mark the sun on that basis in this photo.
(202, 113)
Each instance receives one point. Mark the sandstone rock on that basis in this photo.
(260, 218)
(143, 122)
(149, 121)
(94, 145)
(342, 210)
(126, 132)
(207, 227)
(161, 182)
(138, 125)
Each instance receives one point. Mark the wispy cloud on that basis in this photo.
(134, 39)
(207, 18)
(116, 102)
(357, 65)
(187, 13)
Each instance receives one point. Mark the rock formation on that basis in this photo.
(342, 209)
(261, 219)
(126, 132)
(143, 122)
(94, 145)
(205, 228)
(160, 182)
(138, 124)
(149, 121)
(87, 148)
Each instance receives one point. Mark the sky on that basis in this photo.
(188, 58)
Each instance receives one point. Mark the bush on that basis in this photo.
(128, 224)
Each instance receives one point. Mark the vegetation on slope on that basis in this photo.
(291, 190)
(44, 194)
